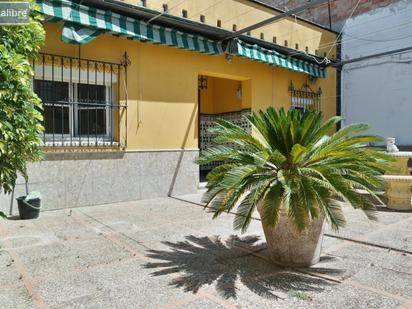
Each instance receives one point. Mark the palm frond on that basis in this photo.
(246, 208)
(290, 163)
(272, 203)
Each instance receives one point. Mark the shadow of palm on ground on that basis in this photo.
(206, 261)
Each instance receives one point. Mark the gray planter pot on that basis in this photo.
(289, 247)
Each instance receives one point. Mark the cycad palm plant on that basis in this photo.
(289, 165)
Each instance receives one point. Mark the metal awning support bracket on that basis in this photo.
(276, 18)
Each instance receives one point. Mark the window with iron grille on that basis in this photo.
(305, 98)
(81, 100)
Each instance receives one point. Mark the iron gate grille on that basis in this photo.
(82, 101)
(207, 121)
(305, 98)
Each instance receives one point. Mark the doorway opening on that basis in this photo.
(220, 98)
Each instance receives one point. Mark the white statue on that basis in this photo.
(390, 145)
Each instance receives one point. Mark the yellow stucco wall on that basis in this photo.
(162, 86)
(221, 96)
(243, 13)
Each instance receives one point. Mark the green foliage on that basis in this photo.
(290, 162)
(20, 108)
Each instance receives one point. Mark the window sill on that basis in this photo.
(82, 143)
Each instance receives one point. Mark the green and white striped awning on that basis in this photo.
(78, 34)
(258, 53)
(84, 23)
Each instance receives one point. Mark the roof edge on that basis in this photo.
(193, 27)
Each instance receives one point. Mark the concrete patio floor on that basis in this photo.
(168, 253)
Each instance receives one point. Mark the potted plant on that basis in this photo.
(20, 108)
(294, 175)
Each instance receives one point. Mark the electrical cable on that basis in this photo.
(360, 24)
(389, 53)
(292, 32)
(379, 18)
(331, 43)
(326, 59)
(372, 40)
(340, 33)
(346, 41)
(354, 39)
(253, 9)
(368, 33)
(345, 28)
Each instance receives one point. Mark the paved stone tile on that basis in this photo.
(155, 237)
(393, 260)
(9, 274)
(330, 243)
(194, 198)
(136, 215)
(128, 285)
(146, 215)
(216, 265)
(20, 242)
(202, 303)
(17, 227)
(355, 229)
(53, 225)
(388, 216)
(395, 238)
(405, 223)
(346, 296)
(71, 256)
(15, 296)
(165, 252)
(351, 259)
(318, 296)
(391, 281)
(69, 286)
(282, 290)
(222, 226)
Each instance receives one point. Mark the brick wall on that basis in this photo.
(340, 9)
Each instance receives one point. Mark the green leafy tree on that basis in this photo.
(20, 108)
(289, 161)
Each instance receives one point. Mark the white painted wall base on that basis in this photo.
(68, 180)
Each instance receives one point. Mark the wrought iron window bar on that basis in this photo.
(82, 101)
(305, 97)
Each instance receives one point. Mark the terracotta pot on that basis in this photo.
(289, 247)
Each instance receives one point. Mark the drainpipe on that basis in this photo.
(339, 83)
(330, 16)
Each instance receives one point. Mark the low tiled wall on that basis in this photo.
(68, 180)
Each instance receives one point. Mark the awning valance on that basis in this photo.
(84, 23)
(78, 34)
(258, 53)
